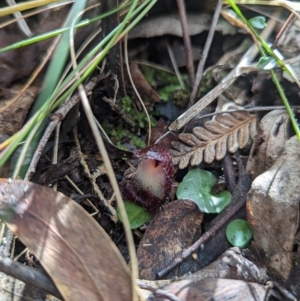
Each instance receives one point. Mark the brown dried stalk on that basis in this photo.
(226, 132)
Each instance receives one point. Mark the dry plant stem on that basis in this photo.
(20, 20)
(174, 64)
(24, 6)
(58, 116)
(159, 293)
(55, 150)
(288, 295)
(92, 180)
(35, 12)
(28, 275)
(254, 109)
(204, 55)
(284, 30)
(187, 42)
(24, 251)
(81, 193)
(154, 65)
(238, 200)
(134, 87)
(110, 172)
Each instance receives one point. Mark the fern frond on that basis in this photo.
(227, 132)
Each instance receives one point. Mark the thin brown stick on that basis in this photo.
(229, 173)
(249, 110)
(187, 42)
(206, 49)
(28, 275)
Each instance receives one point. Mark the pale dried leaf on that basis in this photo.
(204, 134)
(215, 127)
(273, 212)
(209, 153)
(243, 136)
(190, 139)
(253, 129)
(221, 148)
(233, 142)
(226, 120)
(227, 132)
(196, 159)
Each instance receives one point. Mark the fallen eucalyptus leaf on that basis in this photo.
(75, 251)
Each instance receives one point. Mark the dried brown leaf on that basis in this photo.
(76, 252)
(228, 131)
(165, 239)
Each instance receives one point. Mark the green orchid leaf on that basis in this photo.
(266, 63)
(137, 215)
(197, 185)
(239, 233)
(258, 22)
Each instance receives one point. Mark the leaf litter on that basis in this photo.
(67, 240)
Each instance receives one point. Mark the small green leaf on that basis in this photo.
(137, 215)
(196, 186)
(258, 22)
(239, 233)
(266, 63)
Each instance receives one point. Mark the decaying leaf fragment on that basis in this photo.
(227, 132)
(273, 212)
(75, 251)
